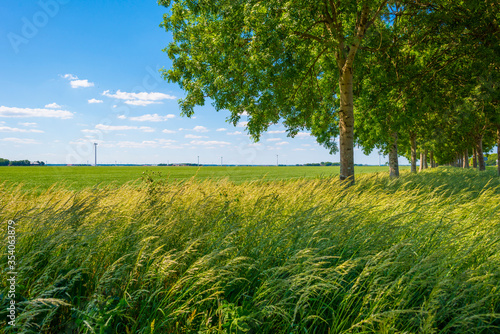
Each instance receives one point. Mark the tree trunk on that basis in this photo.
(466, 159)
(421, 167)
(474, 157)
(425, 159)
(479, 151)
(413, 154)
(498, 150)
(346, 126)
(393, 157)
(431, 158)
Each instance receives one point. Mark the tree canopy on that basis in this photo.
(311, 64)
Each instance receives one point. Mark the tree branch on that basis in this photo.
(308, 36)
(307, 73)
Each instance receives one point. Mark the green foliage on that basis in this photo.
(417, 254)
(19, 163)
(274, 60)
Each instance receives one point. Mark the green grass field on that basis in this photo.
(77, 178)
(419, 254)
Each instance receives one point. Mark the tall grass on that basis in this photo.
(417, 254)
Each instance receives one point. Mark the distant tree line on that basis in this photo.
(7, 162)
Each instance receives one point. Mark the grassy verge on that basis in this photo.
(417, 254)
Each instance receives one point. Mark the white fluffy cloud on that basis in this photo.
(200, 128)
(209, 143)
(34, 112)
(70, 76)
(9, 129)
(123, 127)
(81, 83)
(241, 124)
(276, 131)
(53, 106)
(273, 139)
(152, 118)
(27, 123)
(194, 136)
(95, 101)
(282, 143)
(169, 131)
(90, 131)
(141, 103)
(139, 99)
(77, 83)
(235, 133)
(221, 129)
(303, 135)
(20, 141)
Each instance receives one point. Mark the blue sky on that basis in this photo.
(77, 72)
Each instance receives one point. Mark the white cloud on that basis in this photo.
(241, 124)
(273, 139)
(302, 135)
(34, 112)
(166, 141)
(70, 76)
(282, 143)
(95, 101)
(9, 129)
(53, 106)
(26, 123)
(123, 127)
(243, 113)
(221, 129)
(255, 144)
(152, 118)
(122, 117)
(169, 131)
(90, 131)
(141, 103)
(20, 140)
(77, 83)
(132, 144)
(235, 133)
(277, 131)
(139, 99)
(81, 83)
(209, 142)
(306, 145)
(194, 136)
(200, 128)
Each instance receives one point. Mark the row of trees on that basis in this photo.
(413, 78)
(7, 162)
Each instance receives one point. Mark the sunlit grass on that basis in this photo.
(80, 177)
(415, 255)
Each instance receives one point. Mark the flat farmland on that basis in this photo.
(76, 178)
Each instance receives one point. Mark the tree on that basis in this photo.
(277, 60)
